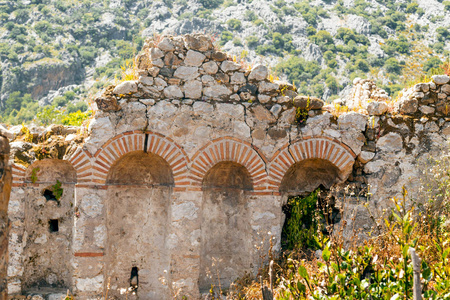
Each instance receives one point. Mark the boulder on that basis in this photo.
(305, 102)
(446, 89)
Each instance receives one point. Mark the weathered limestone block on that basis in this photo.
(407, 106)
(197, 42)
(101, 130)
(194, 58)
(377, 108)
(186, 73)
(238, 78)
(125, 88)
(446, 89)
(229, 66)
(305, 102)
(268, 87)
(6, 133)
(107, 103)
(173, 92)
(258, 73)
(5, 191)
(193, 89)
(440, 79)
(155, 54)
(166, 45)
(210, 67)
(391, 142)
(366, 156)
(352, 120)
(217, 91)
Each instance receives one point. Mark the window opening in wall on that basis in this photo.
(134, 279)
(49, 195)
(53, 225)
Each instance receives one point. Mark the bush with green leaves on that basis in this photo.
(234, 24)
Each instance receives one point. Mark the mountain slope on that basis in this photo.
(61, 52)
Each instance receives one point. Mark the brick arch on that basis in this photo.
(229, 149)
(18, 173)
(324, 148)
(132, 141)
(81, 160)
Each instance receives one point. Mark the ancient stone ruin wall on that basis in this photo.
(5, 189)
(186, 168)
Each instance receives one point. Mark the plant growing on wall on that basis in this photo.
(57, 190)
(34, 174)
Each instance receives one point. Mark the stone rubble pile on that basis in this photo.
(365, 92)
(188, 68)
(430, 99)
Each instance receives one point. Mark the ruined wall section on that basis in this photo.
(5, 190)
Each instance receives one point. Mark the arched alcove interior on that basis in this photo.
(226, 236)
(48, 211)
(140, 168)
(138, 202)
(307, 175)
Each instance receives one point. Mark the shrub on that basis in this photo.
(234, 24)
(393, 66)
(210, 4)
(252, 41)
(225, 37)
(362, 65)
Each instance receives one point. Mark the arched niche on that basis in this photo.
(48, 213)
(50, 170)
(226, 234)
(228, 175)
(307, 175)
(140, 168)
(139, 191)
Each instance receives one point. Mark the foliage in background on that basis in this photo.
(301, 223)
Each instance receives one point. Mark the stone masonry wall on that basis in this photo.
(5, 190)
(211, 149)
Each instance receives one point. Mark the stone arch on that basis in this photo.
(324, 153)
(228, 174)
(148, 142)
(229, 150)
(50, 170)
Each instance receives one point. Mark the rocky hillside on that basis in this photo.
(59, 53)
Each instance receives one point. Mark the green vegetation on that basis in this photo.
(301, 223)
